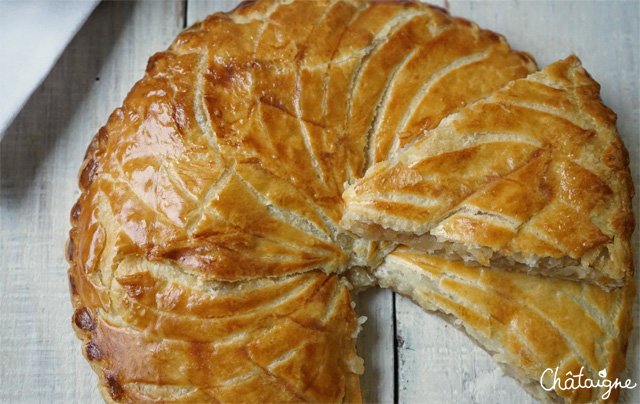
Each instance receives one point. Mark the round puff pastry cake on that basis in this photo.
(208, 263)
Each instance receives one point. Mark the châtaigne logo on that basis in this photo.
(573, 382)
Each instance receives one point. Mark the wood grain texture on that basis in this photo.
(42, 150)
(376, 345)
(198, 9)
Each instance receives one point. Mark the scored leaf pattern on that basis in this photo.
(237, 143)
(534, 171)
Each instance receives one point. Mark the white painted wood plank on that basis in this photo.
(198, 10)
(41, 360)
(376, 345)
(437, 362)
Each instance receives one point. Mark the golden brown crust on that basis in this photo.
(536, 171)
(206, 242)
(169, 336)
(529, 323)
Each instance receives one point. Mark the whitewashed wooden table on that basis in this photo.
(410, 356)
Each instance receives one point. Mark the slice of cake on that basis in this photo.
(533, 178)
(536, 328)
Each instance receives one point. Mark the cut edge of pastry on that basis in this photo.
(564, 267)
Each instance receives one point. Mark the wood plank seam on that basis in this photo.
(396, 343)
